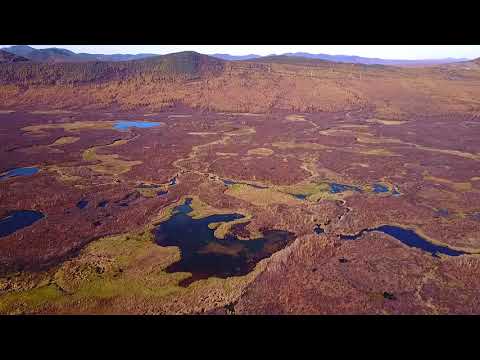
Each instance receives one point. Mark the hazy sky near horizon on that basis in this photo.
(375, 51)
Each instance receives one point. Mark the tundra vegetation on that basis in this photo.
(322, 150)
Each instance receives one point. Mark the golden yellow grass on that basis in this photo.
(151, 192)
(295, 145)
(205, 133)
(222, 229)
(375, 152)
(70, 127)
(64, 173)
(240, 114)
(241, 132)
(260, 197)
(51, 112)
(337, 132)
(309, 189)
(295, 117)
(361, 165)
(353, 126)
(65, 140)
(260, 152)
(119, 269)
(450, 152)
(226, 154)
(386, 122)
(459, 186)
(370, 139)
(110, 164)
(40, 149)
(120, 142)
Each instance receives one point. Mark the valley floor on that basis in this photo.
(104, 190)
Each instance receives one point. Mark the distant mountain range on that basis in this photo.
(63, 55)
(236, 58)
(345, 59)
(57, 55)
(6, 57)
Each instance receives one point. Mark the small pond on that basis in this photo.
(409, 238)
(102, 204)
(300, 196)
(318, 229)
(82, 204)
(24, 171)
(18, 220)
(338, 188)
(379, 188)
(203, 255)
(172, 181)
(125, 125)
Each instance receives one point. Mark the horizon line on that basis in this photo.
(291, 52)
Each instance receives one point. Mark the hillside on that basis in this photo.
(6, 57)
(50, 55)
(376, 61)
(268, 84)
(229, 57)
(57, 55)
(181, 65)
(344, 59)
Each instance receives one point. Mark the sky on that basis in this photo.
(403, 52)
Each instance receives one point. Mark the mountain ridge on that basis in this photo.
(6, 57)
(52, 55)
(177, 65)
(63, 55)
(345, 59)
(277, 83)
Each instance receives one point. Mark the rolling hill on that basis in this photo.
(344, 59)
(57, 55)
(53, 55)
(6, 57)
(277, 83)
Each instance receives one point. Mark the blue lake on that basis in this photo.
(18, 220)
(203, 255)
(124, 125)
(228, 182)
(338, 188)
(25, 171)
(379, 188)
(102, 204)
(409, 238)
(82, 204)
